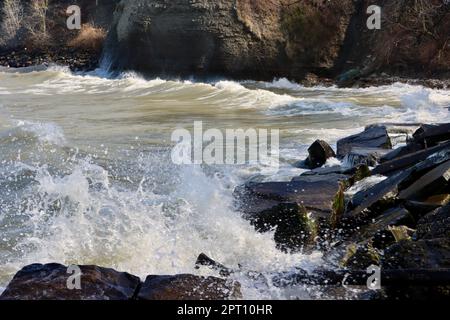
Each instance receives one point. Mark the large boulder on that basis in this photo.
(314, 192)
(318, 152)
(421, 254)
(372, 137)
(436, 224)
(49, 282)
(294, 228)
(188, 287)
(416, 257)
(430, 183)
(429, 135)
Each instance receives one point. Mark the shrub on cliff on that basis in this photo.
(315, 30)
(415, 35)
(89, 38)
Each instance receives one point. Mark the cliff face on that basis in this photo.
(180, 37)
(414, 39)
(258, 39)
(237, 38)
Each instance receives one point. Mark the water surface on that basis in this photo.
(86, 175)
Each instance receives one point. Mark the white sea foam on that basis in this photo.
(84, 218)
(44, 131)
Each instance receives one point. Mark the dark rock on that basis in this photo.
(367, 156)
(429, 135)
(428, 254)
(408, 160)
(387, 190)
(188, 287)
(400, 152)
(360, 257)
(294, 229)
(435, 224)
(384, 191)
(418, 209)
(315, 192)
(392, 217)
(204, 260)
(438, 199)
(49, 282)
(319, 152)
(417, 257)
(324, 171)
(431, 181)
(373, 137)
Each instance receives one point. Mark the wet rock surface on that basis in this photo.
(436, 224)
(188, 287)
(294, 228)
(50, 282)
(319, 152)
(372, 137)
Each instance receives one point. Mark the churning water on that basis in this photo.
(86, 175)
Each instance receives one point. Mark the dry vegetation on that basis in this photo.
(417, 32)
(36, 23)
(11, 18)
(315, 29)
(89, 38)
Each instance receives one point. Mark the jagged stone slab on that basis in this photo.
(315, 192)
(429, 134)
(391, 217)
(401, 152)
(388, 189)
(384, 190)
(439, 174)
(372, 137)
(49, 282)
(408, 160)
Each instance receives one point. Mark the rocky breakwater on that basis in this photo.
(385, 207)
(382, 206)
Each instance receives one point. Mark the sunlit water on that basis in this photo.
(86, 175)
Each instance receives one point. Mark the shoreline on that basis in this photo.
(88, 60)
